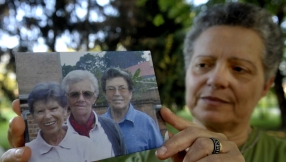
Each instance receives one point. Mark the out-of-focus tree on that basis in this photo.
(158, 26)
(155, 25)
(135, 25)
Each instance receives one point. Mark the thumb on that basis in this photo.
(21, 154)
(16, 132)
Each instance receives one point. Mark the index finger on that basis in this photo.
(174, 120)
(16, 107)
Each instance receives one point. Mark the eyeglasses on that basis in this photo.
(112, 90)
(85, 94)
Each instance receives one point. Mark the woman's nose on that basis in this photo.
(48, 114)
(116, 91)
(219, 77)
(81, 97)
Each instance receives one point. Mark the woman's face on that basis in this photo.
(49, 116)
(81, 97)
(117, 93)
(225, 78)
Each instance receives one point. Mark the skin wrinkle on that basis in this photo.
(118, 102)
(50, 111)
(250, 14)
(81, 107)
(217, 58)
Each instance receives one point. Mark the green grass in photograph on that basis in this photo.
(3, 135)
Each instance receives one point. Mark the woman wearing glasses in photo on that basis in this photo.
(81, 88)
(139, 130)
(48, 106)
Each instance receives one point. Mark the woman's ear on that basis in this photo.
(267, 86)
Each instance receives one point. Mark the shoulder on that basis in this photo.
(83, 143)
(142, 115)
(144, 119)
(32, 143)
(36, 142)
(108, 124)
(105, 114)
(103, 119)
(79, 138)
(270, 140)
(267, 148)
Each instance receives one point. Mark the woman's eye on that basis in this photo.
(238, 69)
(40, 112)
(54, 108)
(201, 65)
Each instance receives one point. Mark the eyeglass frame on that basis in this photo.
(121, 90)
(80, 93)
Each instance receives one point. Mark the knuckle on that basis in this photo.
(232, 144)
(203, 144)
(222, 136)
(193, 131)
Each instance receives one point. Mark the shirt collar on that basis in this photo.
(130, 115)
(44, 147)
(96, 124)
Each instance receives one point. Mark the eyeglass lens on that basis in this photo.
(113, 89)
(85, 94)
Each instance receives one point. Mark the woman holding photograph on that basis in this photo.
(48, 106)
(231, 53)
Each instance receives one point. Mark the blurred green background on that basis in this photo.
(107, 25)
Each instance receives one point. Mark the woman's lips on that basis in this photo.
(50, 123)
(80, 105)
(117, 100)
(214, 100)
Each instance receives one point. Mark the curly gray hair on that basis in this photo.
(244, 15)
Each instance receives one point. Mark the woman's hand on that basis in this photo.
(193, 143)
(19, 152)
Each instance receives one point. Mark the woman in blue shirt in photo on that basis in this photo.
(139, 130)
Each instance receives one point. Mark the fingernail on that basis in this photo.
(166, 137)
(19, 152)
(161, 151)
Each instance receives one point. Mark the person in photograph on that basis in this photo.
(48, 106)
(81, 87)
(139, 130)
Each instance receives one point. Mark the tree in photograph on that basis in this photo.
(124, 59)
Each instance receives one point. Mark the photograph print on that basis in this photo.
(90, 105)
